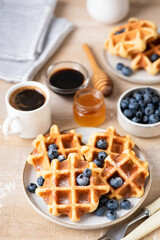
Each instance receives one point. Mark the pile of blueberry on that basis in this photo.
(142, 106)
(32, 186)
(83, 178)
(53, 153)
(108, 207)
(101, 144)
(125, 70)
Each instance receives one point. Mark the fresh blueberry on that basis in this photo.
(124, 104)
(154, 57)
(149, 110)
(147, 99)
(142, 103)
(53, 146)
(153, 118)
(52, 154)
(148, 90)
(126, 71)
(136, 119)
(116, 182)
(102, 144)
(40, 181)
(125, 204)
(139, 114)
(145, 119)
(133, 106)
(112, 204)
(111, 215)
(32, 187)
(157, 112)
(103, 200)
(87, 172)
(137, 96)
(150, 105)
(120, 31)
(100, 211)
(61, 158)
(119, 66)
(128, 113)
(155, 99)
(132, 100)
(102, 155)
(98, 162)
(82, 180)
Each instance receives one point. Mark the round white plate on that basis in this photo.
(89, 220)
(140, 76)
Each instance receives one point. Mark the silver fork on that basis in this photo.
(117, 233)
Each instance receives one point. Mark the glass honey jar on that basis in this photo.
(89, 107)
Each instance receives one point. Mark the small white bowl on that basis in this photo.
(137, 129)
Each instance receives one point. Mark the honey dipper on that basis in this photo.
(101, 81)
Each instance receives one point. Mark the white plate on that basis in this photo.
(140, 76)
(87, 221)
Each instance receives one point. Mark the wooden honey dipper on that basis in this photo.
(101, 81)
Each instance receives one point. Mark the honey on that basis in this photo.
(89, 107)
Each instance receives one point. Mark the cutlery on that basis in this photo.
(117, 233)
(101, 80)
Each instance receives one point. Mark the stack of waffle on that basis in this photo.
(137, 40)
(60, 189)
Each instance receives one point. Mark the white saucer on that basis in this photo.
(88, 221)
(140, 76)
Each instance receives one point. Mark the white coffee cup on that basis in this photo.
(27, 124)
(108, 11)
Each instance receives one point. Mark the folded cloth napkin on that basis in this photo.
(34, 41)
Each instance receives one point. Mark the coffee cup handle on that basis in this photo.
(6, 126)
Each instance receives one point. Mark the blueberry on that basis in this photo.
(132, 100)
(120, 31)
(103, 200)
(87, 172)
(112, 204)
(147, 99)
(102, 155)
(53, 146)
(124, 104)
(133, 106)
(40, 181)
(52, 153)
(150, 105)
(119, 66)
(102, 144)
(153, 118)
(126, 71)
(116, 182)
(82, 180)
(148, 90)
(155, 99)
(154, 57)
(61, 158)
(149, 110)
(145, 119)
(125, 204)
(137, 96)
(157, 112)
(32, 187)
(142, 103)
(128, 113)
(98, 162)
(139, 114)
(111, 215)
(100, 211)
(136, 119)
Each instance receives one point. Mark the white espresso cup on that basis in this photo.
(27, 124)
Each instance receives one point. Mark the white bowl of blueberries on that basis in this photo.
(139, 111)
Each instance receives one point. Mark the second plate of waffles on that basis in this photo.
(61, 195)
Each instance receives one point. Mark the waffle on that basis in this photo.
(134, 39)
(142, 60)
(131, 169)
(116, 144)
(61, 192)
(67, 143)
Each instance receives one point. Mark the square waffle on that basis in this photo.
(116, 144)
(142, 60)
(133, 37)
(131, 169)
(67, 143)
(62, 193)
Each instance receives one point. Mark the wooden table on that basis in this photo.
(18, 220)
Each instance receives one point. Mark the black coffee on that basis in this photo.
(27, 98)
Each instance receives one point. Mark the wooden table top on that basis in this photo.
(18, 220)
